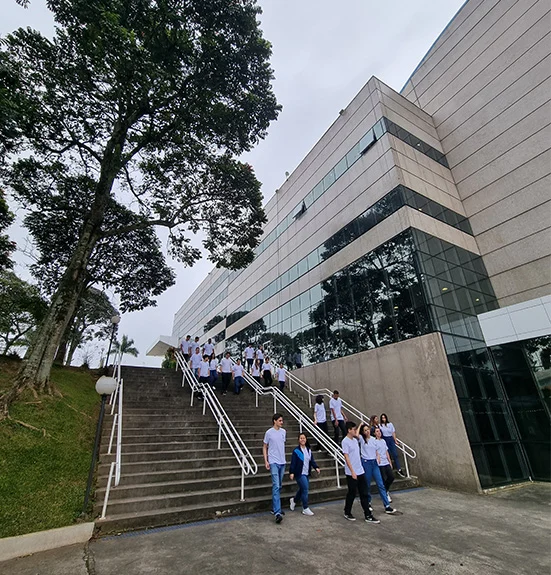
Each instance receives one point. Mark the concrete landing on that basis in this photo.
(439, 532)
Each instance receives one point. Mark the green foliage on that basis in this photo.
(169, 361)
(6, 245)
(43, 477)
(21, 310)
(125, 346)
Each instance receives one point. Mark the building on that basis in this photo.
(408, 257)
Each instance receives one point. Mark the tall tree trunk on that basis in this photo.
(72, 349)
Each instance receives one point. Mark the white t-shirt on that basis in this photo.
(237, 370)
(266, 367)
(186, 346)
(196, 360)
(352, 448)
(256, 371)
(382, 450)
(280, 374)
(307, 456)
(368, 449)
(321, 416)
(249, 352)
(259, 354)
(208, 348)
(387, 430)
(194, 346)
(275, 440)
(213, 364)
(225, 364)
(336, 404)
(204, 370)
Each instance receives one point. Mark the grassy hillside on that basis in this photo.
(43, 473)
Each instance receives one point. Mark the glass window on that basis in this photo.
(353, 155)
(340, 168)
(379, 129)
(313, 259)
(367, 141)
(309, 199)
(302, 267)
(318, 190)
(293, 273)
(329, 179)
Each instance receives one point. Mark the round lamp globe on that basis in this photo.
(106, 385)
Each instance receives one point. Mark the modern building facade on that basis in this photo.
(408, 257)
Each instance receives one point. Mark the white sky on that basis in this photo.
(323, 53)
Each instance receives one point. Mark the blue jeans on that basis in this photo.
(277, 471)
(238, 383)
(302, 493)
(393, 450)
(213, 376)
(372, 471)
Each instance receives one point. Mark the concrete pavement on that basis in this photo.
(439, 532)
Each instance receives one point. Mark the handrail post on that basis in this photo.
(300, 424)
(115, 418)
(275, 402)
(119, 437)
(106, 498)
(406, 462)
(309, 399)
(338, 476)
(219, 433)
(243, 480)
(256, 392)
(204, 404)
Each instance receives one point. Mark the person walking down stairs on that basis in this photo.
(302, 463)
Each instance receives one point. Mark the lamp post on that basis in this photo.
(115, 320)
(104, 386)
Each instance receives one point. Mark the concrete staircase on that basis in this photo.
(172, 471)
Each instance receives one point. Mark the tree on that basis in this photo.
(21, 310)
(126, 345)
(6, 246)
(92, 321)
(146, 103)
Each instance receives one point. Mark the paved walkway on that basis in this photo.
(439, 532)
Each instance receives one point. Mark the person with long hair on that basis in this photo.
(320, 416)
(302, 463)
(370, 463)
(213, 367)
(384, 462)
(388, 432)
(267, 372)
(373, 424)
(257, 366)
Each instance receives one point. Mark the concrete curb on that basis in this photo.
(12, 547)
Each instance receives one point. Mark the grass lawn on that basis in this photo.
(43, 473)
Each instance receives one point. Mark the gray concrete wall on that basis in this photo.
(411, 382)
(487, 84)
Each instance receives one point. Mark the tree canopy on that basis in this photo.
(145, 105)
(6, 245)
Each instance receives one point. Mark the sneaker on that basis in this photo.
(349, 517)
(307, 512)
(370, 508)
(292, 504)
(401, 474)
(371, 519)
(279, 518)
(388, 497)
(280, 513)
(389, 510)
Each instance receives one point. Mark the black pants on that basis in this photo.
(250, 362)
(387, 475)
(342, 428)
(186, 357)
(267, 378)
(355, 486)
(323, 427)
(226, 378)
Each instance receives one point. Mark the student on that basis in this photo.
(195, 344)
(273, 449)
(370, 463)
(290, 361)
(249, 356)
(384, 461)
(204, 373)
(298, 359)
(389, 435)
(320, 416)
(338, 417)
(302, 463)
(355, 476)
(213, 370)
(259, 353)
(267, 372)
(373, 424)
(238, 381)
(196, 362)
(226, 370)
(186, 346)
(281, 376)
(208, 348)
(257, 366)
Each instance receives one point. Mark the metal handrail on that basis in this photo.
(225, 426)
(115, 401)
(404, 448)
(304, 421)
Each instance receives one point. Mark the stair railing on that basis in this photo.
(225, 426)
(407, 451)
(304, 421)
(115, 401)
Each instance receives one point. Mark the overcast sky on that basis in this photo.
(324, 51)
